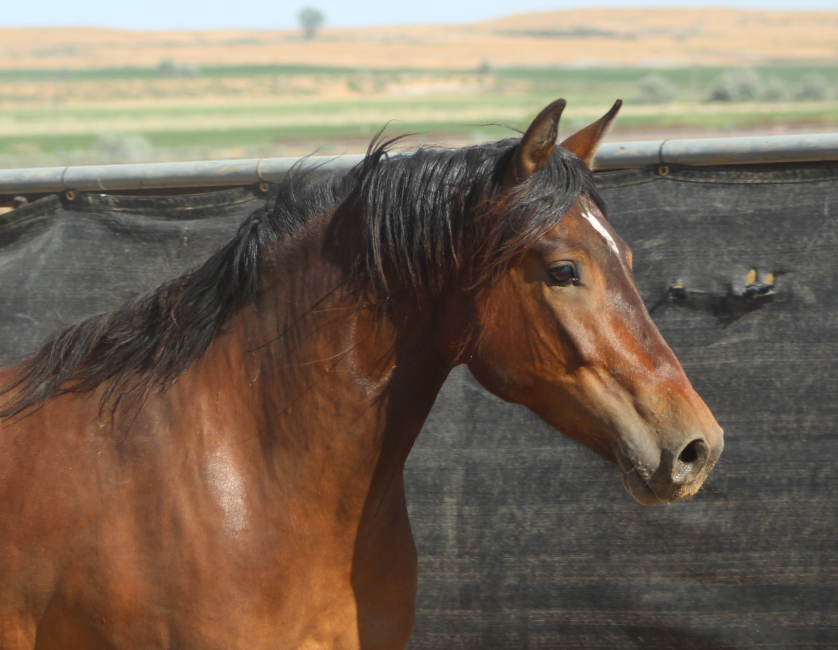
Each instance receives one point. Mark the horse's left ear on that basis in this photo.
(585, 143)
(536, 145)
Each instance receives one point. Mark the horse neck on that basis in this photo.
(343, 389)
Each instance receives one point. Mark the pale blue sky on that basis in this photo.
(272, 14)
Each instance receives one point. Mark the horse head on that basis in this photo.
(561, 328)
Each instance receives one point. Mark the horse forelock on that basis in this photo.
(436, 213)
(426, 217)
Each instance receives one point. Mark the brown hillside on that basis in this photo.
(662, 37)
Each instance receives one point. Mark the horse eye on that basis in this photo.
(563, 274)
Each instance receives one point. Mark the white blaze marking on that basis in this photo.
(597, 224)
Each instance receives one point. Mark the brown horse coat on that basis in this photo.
(219, 465)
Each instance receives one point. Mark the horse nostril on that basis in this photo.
(690, 453)
(690, 462)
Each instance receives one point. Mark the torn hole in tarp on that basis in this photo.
(726, 307)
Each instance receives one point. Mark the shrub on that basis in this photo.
(813, 88)
(654, 89)
(167, 68)
(774, 90)
(740, 85)
(122, 147)
(189, 70)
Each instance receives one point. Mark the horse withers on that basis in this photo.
(219, 464)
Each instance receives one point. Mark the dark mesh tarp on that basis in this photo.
(525, 539)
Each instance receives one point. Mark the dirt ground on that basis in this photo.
(580, 38)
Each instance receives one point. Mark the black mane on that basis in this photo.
(424, 216)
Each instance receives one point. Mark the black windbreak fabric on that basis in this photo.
(525, 539)
(63, 260)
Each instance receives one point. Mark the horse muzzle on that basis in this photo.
(672, 471)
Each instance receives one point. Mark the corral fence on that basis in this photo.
(526, 540)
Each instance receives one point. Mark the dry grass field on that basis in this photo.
(583, 37)
(80, 95)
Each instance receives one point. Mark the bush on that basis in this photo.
(168, 68)
(654, 89)
(774, 90)
(741, 85)
(122, 147)
(813, 88)
(189, 70)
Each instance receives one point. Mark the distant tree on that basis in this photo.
(311, 20)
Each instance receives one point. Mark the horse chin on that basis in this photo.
(645, 494)
(637, 488)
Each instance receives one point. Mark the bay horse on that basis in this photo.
(218, 464)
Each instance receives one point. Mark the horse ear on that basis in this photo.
(585, 143)
(536, 145)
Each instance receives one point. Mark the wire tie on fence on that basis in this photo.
(660, 151)
(62, 181)
(663, 169)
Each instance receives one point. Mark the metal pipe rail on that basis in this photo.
(717, 151)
